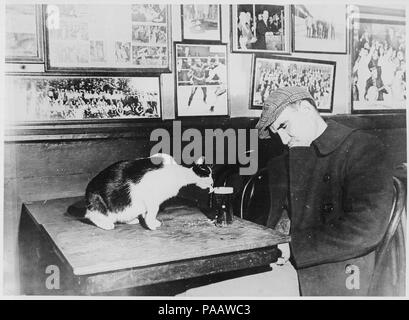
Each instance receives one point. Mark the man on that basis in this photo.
(197, 76)
(261, 29)
(337, 189)
(275, 24)
(374, 89)
(217, 76)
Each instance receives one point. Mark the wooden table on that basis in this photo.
(92, 260)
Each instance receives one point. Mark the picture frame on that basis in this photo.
(63, 99)
(201, 79)
(201, 22)
(272, 72)
(319, 29)
(378, 63)
(249, 34)
(24, 33)
(105, 38)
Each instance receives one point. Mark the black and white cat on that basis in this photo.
(130, 189)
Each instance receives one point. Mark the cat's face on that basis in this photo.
(204, 174)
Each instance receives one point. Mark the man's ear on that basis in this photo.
(305, 106)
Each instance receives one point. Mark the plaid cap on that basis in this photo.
(277, 101)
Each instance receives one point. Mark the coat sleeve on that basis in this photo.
(366, 203)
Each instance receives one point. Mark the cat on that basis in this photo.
(130, 189)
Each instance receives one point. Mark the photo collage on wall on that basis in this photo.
(126, 46)
(108, 36)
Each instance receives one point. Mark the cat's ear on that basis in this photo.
(200, 160)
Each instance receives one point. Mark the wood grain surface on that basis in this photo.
(186, 233)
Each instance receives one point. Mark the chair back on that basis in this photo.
(391, 252)
(255, 198)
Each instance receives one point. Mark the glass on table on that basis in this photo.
(222, 204)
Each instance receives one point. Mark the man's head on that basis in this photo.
(265, 15)
(291, 113)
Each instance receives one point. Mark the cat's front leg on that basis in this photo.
(150, 218)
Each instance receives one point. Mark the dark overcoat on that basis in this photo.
(340, 193)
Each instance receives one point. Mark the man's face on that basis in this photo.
(294, 126)
(265, 15)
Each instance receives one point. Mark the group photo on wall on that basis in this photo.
(378, 65)
(271, 74)
(317, 28)
(260, 28)
(56, 98)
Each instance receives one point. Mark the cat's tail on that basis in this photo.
(166, 158)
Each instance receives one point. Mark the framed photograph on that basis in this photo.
(201, 22)
(260, 28)
(108, 38)
(65, 99)
(378, 65)
(319, 29)
(24, 33)
(201, 79)
(271, 73)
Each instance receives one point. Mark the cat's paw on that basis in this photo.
(134, 221)
(153, 224)
(106, 225)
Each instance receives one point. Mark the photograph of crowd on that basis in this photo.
(260, 28)
(52, 98)
(90, 36)
(318, 28)
(273, 73)
(378, 65)
(201, 22)
(201, 77)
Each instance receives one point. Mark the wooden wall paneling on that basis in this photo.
(74, 157)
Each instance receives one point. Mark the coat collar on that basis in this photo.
(332, 137)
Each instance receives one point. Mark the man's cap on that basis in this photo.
(276, 102)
